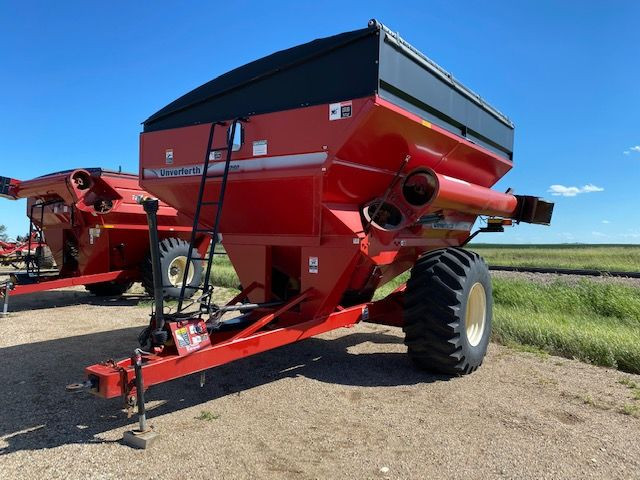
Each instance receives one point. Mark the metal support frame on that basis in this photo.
(62, 282)
(270, 317)
(109, 380)
(488, 229)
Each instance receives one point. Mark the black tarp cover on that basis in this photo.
(342, 67)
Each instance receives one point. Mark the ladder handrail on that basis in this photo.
(30, 259)
(205, 299)
(196, 217)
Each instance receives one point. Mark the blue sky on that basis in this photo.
(77, 78)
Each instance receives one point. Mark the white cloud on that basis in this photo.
(605, 221)
(590, 187)
(561, 190)
(564, 191)
(599, 234)
(635, 148)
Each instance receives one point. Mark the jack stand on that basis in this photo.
(143, 437)
(5, 304)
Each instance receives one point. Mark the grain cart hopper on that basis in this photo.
(87, 222)
(326, 170)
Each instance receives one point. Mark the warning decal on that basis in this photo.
(259, 148)
(340, 110)
(182, 337)
(313, 264)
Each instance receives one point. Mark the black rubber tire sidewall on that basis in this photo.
(44, 257)
(170, 249)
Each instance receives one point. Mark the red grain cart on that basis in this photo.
(17, 254)
(89, 225)
(326, 170)
(7, 252)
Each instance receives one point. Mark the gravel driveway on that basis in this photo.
(347, 404)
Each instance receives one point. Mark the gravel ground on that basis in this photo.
(347, 404)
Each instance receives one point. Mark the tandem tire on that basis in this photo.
(447, 311)
(173, 261)
(108, 289)
(44, 257)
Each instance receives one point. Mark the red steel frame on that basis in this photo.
(117, 379)
(54, 282)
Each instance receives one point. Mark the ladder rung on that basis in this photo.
(205, 230)
(219, 149)
(210, 203)
(207, 258)
(214, 176)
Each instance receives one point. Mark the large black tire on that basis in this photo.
(108, 289)
(171, 251)
(446, 331)
(44, 257)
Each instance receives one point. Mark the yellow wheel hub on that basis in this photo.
(176, 271)
(476, 314)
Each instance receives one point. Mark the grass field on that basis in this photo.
(595, 322)
(598, 323)
(593, 257)
(223, 273)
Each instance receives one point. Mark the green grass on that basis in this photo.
(631, 409)
(593, 322)
(223, 274)
(592, 257)
(631, 385)
(207, 416)
(597, 323)
(387, 288)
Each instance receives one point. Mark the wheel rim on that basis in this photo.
(476, 315)
(176, 271)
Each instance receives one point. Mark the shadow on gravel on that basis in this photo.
(38, 413)
(68, 298)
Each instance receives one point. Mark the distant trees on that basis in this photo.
(3, 233)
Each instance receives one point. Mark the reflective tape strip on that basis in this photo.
(237, 166)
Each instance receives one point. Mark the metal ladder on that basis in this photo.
(33, 261)
(207, 288)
